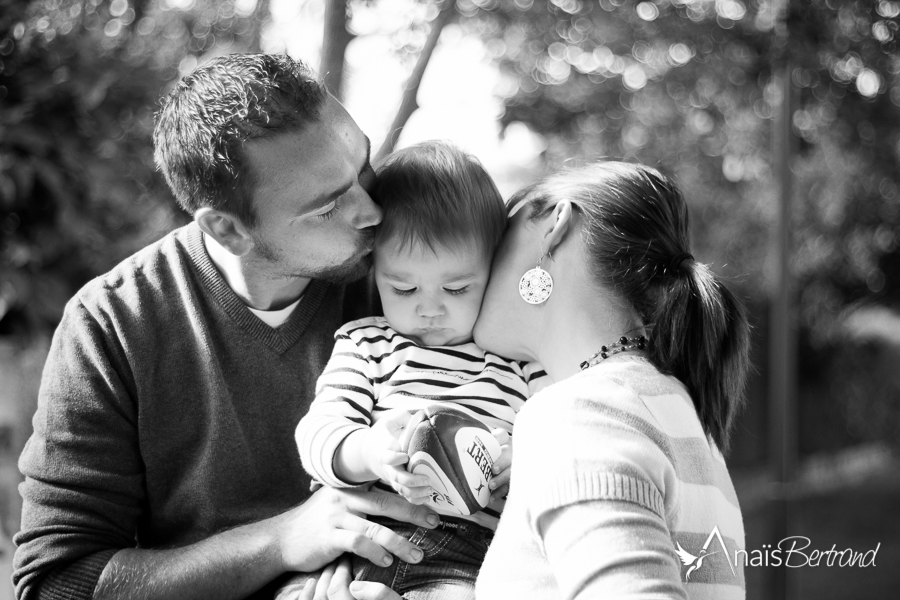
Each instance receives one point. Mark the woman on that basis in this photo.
(618, 470)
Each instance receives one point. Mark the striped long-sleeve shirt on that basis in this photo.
(373, 369)
(616, 493)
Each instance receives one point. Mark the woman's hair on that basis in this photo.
(435, 194)
(635, 227)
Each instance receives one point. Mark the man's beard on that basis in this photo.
(349, 271)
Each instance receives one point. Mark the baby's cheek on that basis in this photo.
(473, 308)
(396, 314)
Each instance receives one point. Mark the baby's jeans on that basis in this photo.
(454, 551)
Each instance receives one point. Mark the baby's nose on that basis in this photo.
(430, 308)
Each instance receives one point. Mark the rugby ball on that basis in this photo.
(456, 452)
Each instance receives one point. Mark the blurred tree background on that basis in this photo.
(685, 85)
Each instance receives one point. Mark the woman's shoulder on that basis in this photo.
(627, 391)
(609, 417)
(590, 437)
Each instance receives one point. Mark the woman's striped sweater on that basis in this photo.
(613, 480)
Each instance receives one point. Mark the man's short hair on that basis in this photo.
(435, 194)
(205, 120)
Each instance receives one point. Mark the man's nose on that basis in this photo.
(369, 213)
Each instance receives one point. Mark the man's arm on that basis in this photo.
(84, 477)
(236, 563)
(83, 497)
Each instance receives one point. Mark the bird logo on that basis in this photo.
(688, 559)
(695, 562)
(479, 488)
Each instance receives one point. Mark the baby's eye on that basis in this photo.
(401, 292)
(457, 291)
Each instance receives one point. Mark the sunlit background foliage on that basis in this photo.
(685, 85)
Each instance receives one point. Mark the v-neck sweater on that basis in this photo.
(166, 414)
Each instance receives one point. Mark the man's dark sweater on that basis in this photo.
(166, 414)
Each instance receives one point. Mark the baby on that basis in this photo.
(443, 219)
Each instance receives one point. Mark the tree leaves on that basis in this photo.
(687, 85)
(79, 82)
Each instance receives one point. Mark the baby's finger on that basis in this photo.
(298, 588)
(504, 462)
(415, 495)
(500, 493)
(501, 436)
(405, 478)
(415, 488)
(324, 582)
(395, 421)
(362, 590)
(393, 459)
(499, 480)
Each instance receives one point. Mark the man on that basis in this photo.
(163, 461)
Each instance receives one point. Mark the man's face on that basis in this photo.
(431, 296)
(315, 218)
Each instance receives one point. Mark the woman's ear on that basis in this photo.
(561, 221)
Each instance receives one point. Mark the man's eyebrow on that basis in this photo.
(368, 164)
(323, 200)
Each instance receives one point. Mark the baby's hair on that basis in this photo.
(435, 194)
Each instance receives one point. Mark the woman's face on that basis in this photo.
(503, 323)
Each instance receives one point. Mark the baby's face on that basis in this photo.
(431, 297)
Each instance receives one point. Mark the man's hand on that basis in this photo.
(332, 522)
(500, 481)
(380, 449)
(334, 582)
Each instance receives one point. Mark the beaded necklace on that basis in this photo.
(625, 344)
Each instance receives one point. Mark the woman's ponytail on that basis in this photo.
(635, 229)
(699, 333)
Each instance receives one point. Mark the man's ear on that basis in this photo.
(226, 229)
(561, 221)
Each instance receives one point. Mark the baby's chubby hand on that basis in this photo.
(381, 451)
(500, 481)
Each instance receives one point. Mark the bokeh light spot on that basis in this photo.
(647, 11)
(680, 54)
(731, 9)
(634, 77)
(888, 10)
(868, 82)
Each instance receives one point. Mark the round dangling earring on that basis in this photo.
(536, 285)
